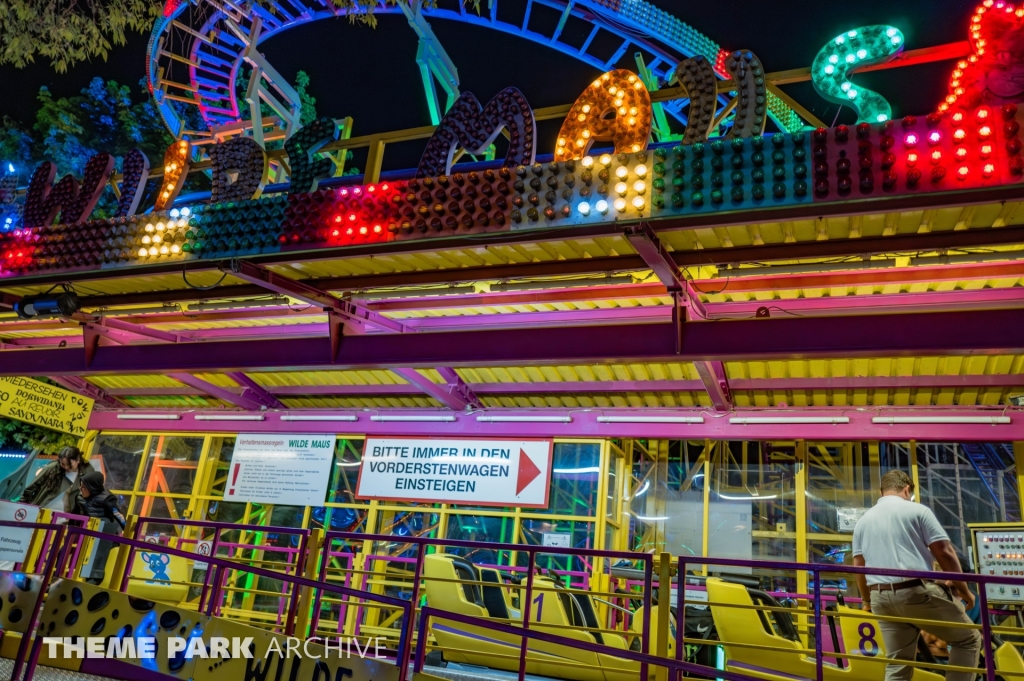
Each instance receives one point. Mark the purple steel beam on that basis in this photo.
(716, 383)
(457, 386)
(936, 333)
(253, 390)
(603, 387)
(645, 242)
(87, 389)
(352, 313)
(216, 391)
(593, 423)
(453, 394)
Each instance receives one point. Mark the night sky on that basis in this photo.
(371, 74)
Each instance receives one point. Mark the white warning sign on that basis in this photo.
(457, 471)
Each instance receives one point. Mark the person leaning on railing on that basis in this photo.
(898, 534)
(57, 484)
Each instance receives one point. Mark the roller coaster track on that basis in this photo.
(195, 56)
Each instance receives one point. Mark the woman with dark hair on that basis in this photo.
(57, 484)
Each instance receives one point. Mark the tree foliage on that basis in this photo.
(28, 436)
(69, 31)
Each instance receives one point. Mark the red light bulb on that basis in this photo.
(911, 159)
(934, 137)
(371, 189)
(986, 150)
(959, 135)
(377, 229)
(352, 217)
(961, 153)
(988, 169)
(911, 139)
(982, 113)
(961, 173)
(958, 117)
(936, 156)
(984, 131)
(363, 230)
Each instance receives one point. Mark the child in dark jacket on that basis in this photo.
(96, 502)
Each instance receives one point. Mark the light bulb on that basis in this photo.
(605, 159)
(601, 206)
(639, 186)
(185, 212)
(588, 161)
(621, 171)
(934, 137)
(962, 172)
(640, 170)
(911, 139)
(146, 240)
(621, 188)
(159, 226)
(164, 250)
(143, 252)
(620, 205)
(149, 228)
(586, 134)
(175, 213)
(561, 141)
(583, 208)
(157, 238)
(911, 159)
(175, 249)
(638, 202)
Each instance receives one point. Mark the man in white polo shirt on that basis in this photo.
(899, 534)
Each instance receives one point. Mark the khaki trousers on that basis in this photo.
(928, 602)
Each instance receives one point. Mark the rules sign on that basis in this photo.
(457, 471)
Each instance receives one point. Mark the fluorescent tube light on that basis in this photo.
(238, 304)
(411, 418)
(805, 420)
(588, 469)
(319, 417)
(651, 518)
(148, 417)
(804, 267)
(989, 420)
(415, 293)
(568, 283)
(229, 417)
(525, 419)
(967, 258)
(766, 497)
(650, 419)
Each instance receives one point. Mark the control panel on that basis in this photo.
(1000, 551)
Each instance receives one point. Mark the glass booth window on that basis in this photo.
(966, 483)
(345, 474)
(120, 456)
(172, 464)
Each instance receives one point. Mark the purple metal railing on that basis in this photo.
(49, 567)
(56, 518)
(58, 565)
(532, 551)
(218, 528)
(644, 659)
(817, 569)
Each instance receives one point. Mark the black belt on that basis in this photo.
(896, 586)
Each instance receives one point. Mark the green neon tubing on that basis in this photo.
(846, 53)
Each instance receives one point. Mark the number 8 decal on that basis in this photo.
(868, 644)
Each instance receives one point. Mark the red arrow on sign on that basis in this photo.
(528, 472)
